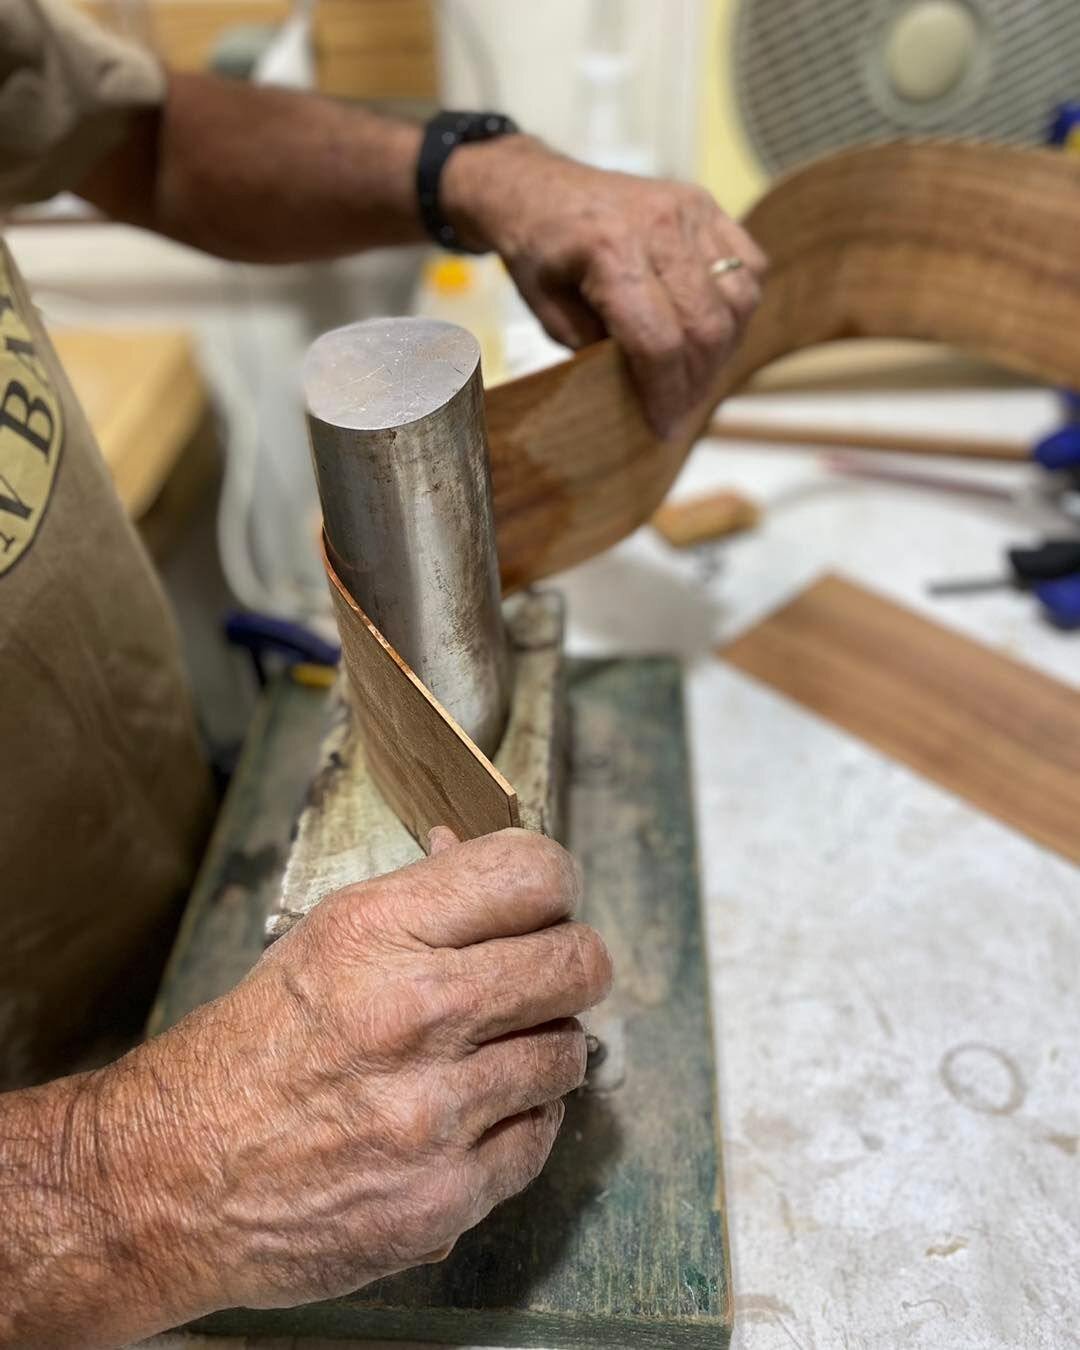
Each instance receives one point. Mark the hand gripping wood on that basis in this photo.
(972, 245)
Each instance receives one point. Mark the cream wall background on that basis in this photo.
(525, 58)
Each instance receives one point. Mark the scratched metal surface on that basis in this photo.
(395, 418)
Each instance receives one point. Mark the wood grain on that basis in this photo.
(991, 730)
(426, 767)
(966, 244)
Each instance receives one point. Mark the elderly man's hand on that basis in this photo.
(391, 1070)
(597, 253)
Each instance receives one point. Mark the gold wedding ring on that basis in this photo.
(722, 266)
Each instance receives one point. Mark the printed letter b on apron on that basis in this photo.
(31, 431)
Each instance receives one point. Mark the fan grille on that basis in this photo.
(810, 75)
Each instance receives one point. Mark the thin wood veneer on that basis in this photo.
(996, 732)
(426, 767)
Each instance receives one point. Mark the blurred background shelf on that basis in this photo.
(364, 49)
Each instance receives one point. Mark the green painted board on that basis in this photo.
(622, 1240)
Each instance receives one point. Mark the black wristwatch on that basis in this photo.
(442, 135)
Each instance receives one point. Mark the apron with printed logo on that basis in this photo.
(104, 793)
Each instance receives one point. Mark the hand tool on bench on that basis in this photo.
(1048, 561)
(1051, 571)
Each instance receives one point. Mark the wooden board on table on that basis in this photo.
(428, 770)
(990, 729)
(144, 397)
(965, 244)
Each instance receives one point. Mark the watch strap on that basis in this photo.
(442, 135)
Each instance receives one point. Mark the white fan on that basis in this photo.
(787, 80)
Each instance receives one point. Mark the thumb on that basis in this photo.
(440, 839)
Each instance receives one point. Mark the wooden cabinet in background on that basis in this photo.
(365, 49)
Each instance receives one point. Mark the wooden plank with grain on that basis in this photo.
(953, 242)
(426, 767)
(994, 731)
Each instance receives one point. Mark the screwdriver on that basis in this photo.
(1049, 561)
(1051, 571)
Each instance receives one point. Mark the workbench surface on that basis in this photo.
(895, 974)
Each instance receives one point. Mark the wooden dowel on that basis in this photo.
(868, 438)
(712, 516)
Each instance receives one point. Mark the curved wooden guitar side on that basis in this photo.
(973, 245)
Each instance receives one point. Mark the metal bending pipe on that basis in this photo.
(395, 414)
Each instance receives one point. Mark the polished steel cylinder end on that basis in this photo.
(395, 413)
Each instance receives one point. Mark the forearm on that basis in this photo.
(262, 175)
(87, 1258)
(267, 176)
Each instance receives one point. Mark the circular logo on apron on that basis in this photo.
(31, 428)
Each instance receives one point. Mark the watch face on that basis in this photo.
(481, 126)
(495, 124)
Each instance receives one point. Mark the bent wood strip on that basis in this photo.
(987, 728)
(426, 767)
(971, 245)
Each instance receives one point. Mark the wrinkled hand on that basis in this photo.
(390, 1071)
(596, 253)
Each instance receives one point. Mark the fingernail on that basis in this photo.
(440, 838)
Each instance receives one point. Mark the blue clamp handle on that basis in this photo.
(1061, 600)
(260, 634)
(1059, 450)
(1065, 120)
